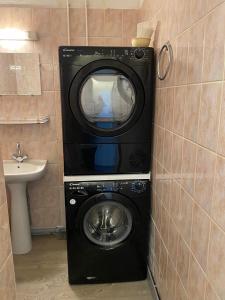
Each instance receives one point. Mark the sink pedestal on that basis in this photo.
(20, 221)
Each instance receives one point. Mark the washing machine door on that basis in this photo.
(106, 97)
(108, 220)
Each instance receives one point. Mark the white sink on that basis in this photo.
(28, 170)
(17, 175)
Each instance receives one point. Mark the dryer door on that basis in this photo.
(106, 97)
(108, 220)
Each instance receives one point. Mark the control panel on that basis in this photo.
(120, 53)
(86, 188)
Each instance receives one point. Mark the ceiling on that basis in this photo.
(116, 4)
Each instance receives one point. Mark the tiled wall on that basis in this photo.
(106, 27)
(7, 276)
(187, 254)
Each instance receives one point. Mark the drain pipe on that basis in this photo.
(86, 21)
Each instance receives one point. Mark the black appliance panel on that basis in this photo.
(92, 263)
(106, 158)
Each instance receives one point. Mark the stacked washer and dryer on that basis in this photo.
(107, 110)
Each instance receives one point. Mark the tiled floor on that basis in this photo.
(42, 275)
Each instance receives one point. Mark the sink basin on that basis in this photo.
(17, 175)
(23, 172)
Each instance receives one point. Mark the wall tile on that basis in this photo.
(183, 254)
(77, 22)
(204, 178)
(195, 51)
(184, 217)
(221, 143)
(7, 280)
(181, 59)
(191, 112)
(216, 261)
(209, 115)
(113, 23)
(188, 166)
(96, 22)
(218, 203)
(47, 77)
(210, 293)
(177, 156)
(130, 20)
(169, 107)
(197, 9)
(178, 115)
(200, 236)
(214, 45)
(196, 281)
(181, 293)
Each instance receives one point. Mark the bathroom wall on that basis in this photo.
(106, 27)
(187, 255)
(7, 276)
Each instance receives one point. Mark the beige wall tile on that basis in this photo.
(214, 45)
(184, 216)
(204, 178)
(130, 19)
(216, 261)
(110, 42)
(171, 281)
(96, 22)
(196, 281)
(200, 236)
(181, 62)
(218, 203)
(7, 280)
(77, 22)
(197, 9)
(179, 104)
(5, 243)
(191, 112)
(113, 23)
(58, 21)
(183, 254)
(209, 115)
(177, 156)
(188, 166)
(169, 107)
(221, 143)
(47, 79)
(195, 51)
(210, 294)
(168, 143)
(181, 293)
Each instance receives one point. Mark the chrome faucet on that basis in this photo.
(19, 156)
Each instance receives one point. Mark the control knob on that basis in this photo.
(139, 53)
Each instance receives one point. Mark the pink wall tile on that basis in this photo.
(214, 45)
(96, 22)
(113, 23)
(216, 261)
(204, 178)
(209, 115)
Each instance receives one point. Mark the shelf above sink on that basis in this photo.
(41, 120)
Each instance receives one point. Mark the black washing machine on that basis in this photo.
(107, 230)
(107, 108)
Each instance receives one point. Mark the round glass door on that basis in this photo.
(107, 99)
(107, 223)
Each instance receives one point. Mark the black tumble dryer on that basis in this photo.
(107, 109)
(107, 230)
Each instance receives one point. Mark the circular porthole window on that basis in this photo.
(107, 223)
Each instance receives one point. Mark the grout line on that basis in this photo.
(195, 202)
